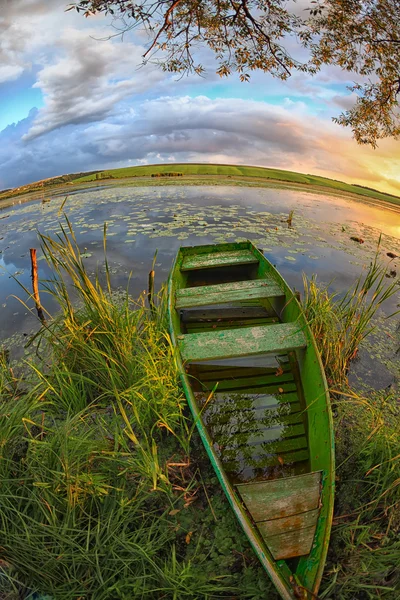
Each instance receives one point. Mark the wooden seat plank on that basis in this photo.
(211, 260)
(226, 293)
(237, 342)
(231, 286)
(284, 497)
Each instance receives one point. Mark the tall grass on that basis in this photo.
(364, 555)
(339, 325)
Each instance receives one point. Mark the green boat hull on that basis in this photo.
(227, 303)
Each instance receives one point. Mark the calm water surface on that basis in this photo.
(142, 220)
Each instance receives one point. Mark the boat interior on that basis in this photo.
(253, 406)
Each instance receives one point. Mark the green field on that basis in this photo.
(241, 171)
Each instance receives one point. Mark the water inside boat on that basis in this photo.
(253, 407)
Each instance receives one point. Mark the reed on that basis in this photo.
(340, 324)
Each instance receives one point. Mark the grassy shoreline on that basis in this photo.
(192, 173)
(106, 492)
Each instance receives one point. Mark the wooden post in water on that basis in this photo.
(150, 293)
(35, 285)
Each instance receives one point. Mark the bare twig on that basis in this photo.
(35, 285)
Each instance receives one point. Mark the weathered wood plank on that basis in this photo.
(264, 461)
(232, 286)
(224, 294)
(292, 543)
(212, 325)
(218, 259)
(213, 314)
(267, 500)
(286, 524)
(216, 373)
(212, 345)
(255, 437)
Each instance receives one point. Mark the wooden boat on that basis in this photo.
(255, 385)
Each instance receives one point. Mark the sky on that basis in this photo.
(72, 99)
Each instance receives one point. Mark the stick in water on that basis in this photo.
(35, 285)
(150, 294)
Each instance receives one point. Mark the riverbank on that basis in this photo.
(106, 491)
(203, 174)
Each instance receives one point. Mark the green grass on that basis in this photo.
(242, 171)
(106, 492)
(364, 550)
(339, 324)
(365, 541)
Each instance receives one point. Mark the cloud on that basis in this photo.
(25, 27)
(345, 102)
(196, 129)
(80, 76)
(101, 111)
(90, 77)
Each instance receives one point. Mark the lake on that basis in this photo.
(141, 220)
